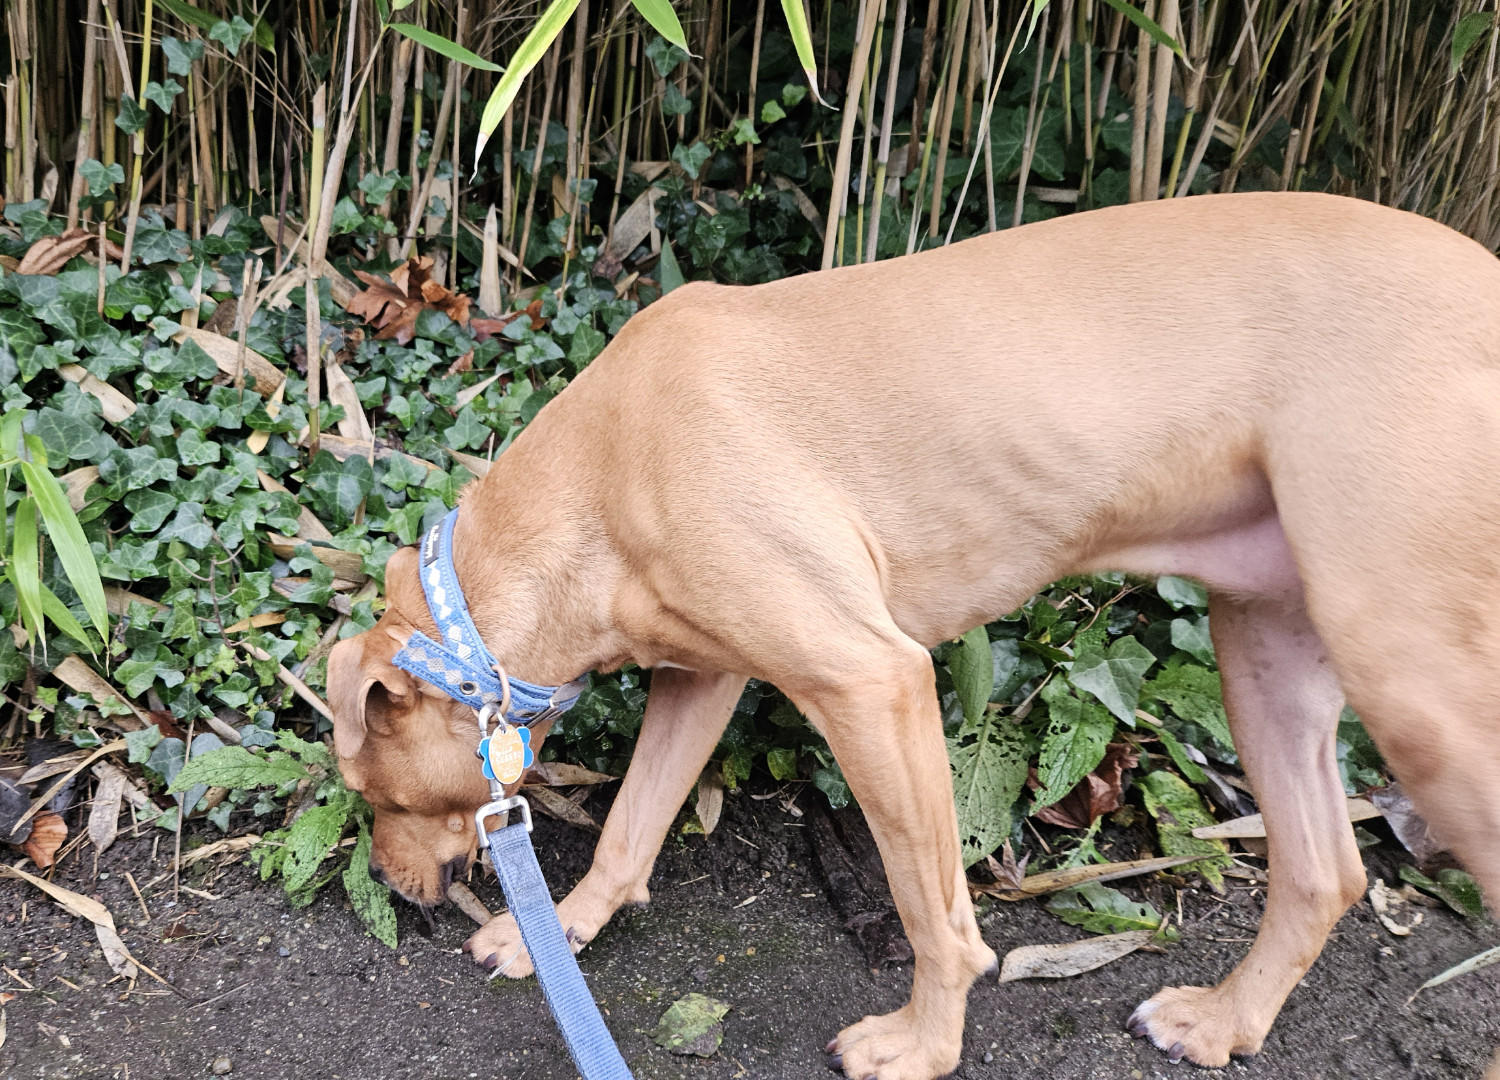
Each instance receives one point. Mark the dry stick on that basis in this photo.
(916, 202)
(924, 80)
(400, 74)
(439, 132)
(138, 145)
(710, 52)
(1142, 90)
(989, 108)
(1202, 34)
(87, 135)
(864, 154)
(840, 193)
(1161, 97)
(945, 125)
(550, 66)
(1111, 58)
(1088, 98)
(624, 156)
(760, 22)
(976, 67)
(887, 120)
(1033, 122)
(1212, 118)
(986, 135)
(454, 151)
(311, 300)
(575, 109)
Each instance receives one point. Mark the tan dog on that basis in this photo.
(1294, 398)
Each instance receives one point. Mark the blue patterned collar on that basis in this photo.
(458, 663)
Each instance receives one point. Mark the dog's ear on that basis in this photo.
(347, 687)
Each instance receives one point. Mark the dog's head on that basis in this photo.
(407, 747)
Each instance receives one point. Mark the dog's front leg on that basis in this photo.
(885, 729)
(685, 716)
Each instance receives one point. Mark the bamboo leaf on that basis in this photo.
(796, 24)
(663, 19)
(1138, 17)
(67, 537)
(439, 44)
(1469, 30)
(530, 53)
(61, 617)
(25, 568)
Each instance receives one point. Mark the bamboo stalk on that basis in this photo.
(760, 23)
(1142, 89)
(924, 78)
(138, 146)
(887, 121)
(87, 134)
(313, 323)
(960, 24)
(550, 67)
(1161, 96)
(857, 65)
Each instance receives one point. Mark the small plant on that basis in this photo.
(306, 773)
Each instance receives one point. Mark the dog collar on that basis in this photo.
(458, 662)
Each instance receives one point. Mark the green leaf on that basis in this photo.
(69, 542)
(162, 94)
(530, 53)
(744, 131)
(1178, 753)
(231, 34)
(665, 56)
(669, 272)
(1181, 592)
(467, 432)
(973, 669)
(131, 118)
(782, 762)
(691, 1025)
(674, 102)
(347, 217)
(310, 839)
(663, 20)
(1178, 810)
(1194, 639)
(24, 568)
(831, 783)
(236, 767)
(1102, 910)
(370, 899)
(1138, 17)
(1114, 676)
(1469, 30)
(61, 617)
(139, 744)
(691, 158)
(771, 111)
(796, 24)
(181, 54)
(441, 45)
(1195, 694)
(1077, 736)
(338, 487)
(1453, 887)
(989, 759)
(101, 178)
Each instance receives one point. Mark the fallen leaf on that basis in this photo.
(393, 306)
(1473, 963)
(1178, 810)
(104, 811)
(1055, 880)
(1071, 958)
(710, 799)
(561, 774)
(1408, 825)
(1384, 901)
(1097, 794)
(48, 831)
(1008, 873)
(692, 1025)
(115, 952)
(1452, 886)
(1252, 826)
(555, 805)
(51, 253)
(1103, 910)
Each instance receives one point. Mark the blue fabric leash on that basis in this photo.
(461, 666)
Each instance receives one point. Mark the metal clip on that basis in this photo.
(501, 808)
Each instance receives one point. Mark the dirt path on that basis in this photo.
(288, 994)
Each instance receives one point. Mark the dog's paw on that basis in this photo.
(496, 946)
(1196, 1023)
(894, 1047)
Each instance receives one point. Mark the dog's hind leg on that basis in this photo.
(1283, 701)
(883, 725)
(685, 716)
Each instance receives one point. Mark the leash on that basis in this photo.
(461, 666)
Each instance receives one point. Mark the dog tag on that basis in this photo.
(507, 754)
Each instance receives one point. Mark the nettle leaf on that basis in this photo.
(338, 487)
(162, 94)
(101, 177)
(1114, 676)
(181, 54)
(973, 669)
(1102, 910)
(1195, 694)
(370, 899)
(1076, 739)
(989, 759)
(310, 839)
(236, 767)
(1179, 810)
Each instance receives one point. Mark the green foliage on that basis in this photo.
(1100, 909)
(1178, 810)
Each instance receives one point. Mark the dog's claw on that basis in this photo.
(1174, 1055)
(832, 1047)
(836, 1062)
(490, 962)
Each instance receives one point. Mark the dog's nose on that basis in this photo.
(378, 874)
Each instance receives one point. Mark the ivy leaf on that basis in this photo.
(370, 899)
(665, 56)
(771, 112)
(346, 216)
(1114, 675)
(231, 34)
(1181, 592)
(1102, 910)
(1179, 810)
(189, 527)
(338, 487)
(782, 761)
(691, 158)
(989, 757)
(131, 118)
(1193, 638)
(181, 54)
(101, 177)
(195, 450)
(162, 94)
(149, 508)
(467, 432)
(1076, 739)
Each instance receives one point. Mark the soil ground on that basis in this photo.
(743, 915)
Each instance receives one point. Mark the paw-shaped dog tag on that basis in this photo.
(507, 754)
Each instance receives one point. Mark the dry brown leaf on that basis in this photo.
(561, 774)
(1408, 825)
(710, 799)
(1008, 873)
(51, 253)
(1052, 880)
(48, 832)
(393, 306)
(104, 811)
(113, 404)
(1070, 958)
(82, 679)
(1253, 827)
(555, 805)
(115, 952)
(1096, 794)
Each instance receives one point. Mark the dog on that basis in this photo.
(1294, 398)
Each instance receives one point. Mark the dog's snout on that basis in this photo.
(451, 869)
(378, 873)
